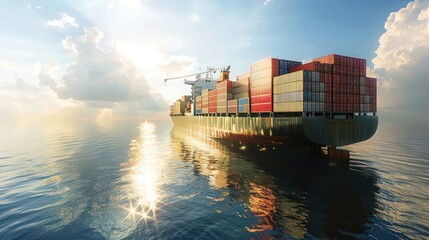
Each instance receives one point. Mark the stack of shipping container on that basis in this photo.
(205, 101)
(261, 82)
(232, 106)
(288, 92)
(368, 94)
(243, 105)
(212, 101)
(332, 83)
(198, 105)
(261, 92)
(224, 93)
(241, 90)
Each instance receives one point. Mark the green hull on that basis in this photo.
(307, 130)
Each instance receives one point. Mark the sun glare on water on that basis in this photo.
(143, 175)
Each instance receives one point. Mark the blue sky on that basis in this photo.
(114, 54)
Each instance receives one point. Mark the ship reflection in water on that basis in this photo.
(284, 193)
(143, 173)
(147, 181)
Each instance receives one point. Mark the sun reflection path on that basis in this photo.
(143, 175)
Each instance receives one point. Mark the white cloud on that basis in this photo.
(23, 97)
(195, 17)
(46, 75)
(100, 77)
(63, 21)
(266, 2)
(403, 56)
(10, 65)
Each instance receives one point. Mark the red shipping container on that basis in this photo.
(349, 107)
(349, 89)
(343, 89)
(328, 78)
(355, 63)
(261, 99)
(356, 99)
(326, 67)
(212, 93)
(260, 107)
(336, 88)
(212, 105)
(356, 81)
(342, 70)
(349, 80)
(326, 59)
(271, 63)
(349, 61)
(232, 109)
(328, 88)
(335, 108)
(356, 107)
(328, 97)
(336, 79)
(322, 77)
(372, 81)
(311, 66)
(335, 69)
(349, 71)
(363, 62)
(328, 106)
(362, 72)
(343, 61)
(260, 91)
(336, 98)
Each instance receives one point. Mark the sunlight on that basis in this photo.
(144, 176)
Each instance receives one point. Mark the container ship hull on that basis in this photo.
(312, 130)
(327, 102)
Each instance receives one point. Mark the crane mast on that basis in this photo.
(203, 80)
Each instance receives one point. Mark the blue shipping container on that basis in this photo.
(243, 101)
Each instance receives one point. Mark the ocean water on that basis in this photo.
(147, 180)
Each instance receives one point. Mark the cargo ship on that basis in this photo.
(326, 102)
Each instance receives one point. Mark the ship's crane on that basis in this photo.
(203, 80)
(201, 76)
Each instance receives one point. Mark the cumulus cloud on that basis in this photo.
(9, 65)
(63, 21)
(100, 76)
(20, 96)
(403, 56)
(46, 76)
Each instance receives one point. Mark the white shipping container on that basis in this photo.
(366, 99)
(221, 109)
(364, 107)
(241, 95)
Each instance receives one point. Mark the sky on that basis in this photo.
(104, 57)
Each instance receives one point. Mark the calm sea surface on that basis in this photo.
(146, 180)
